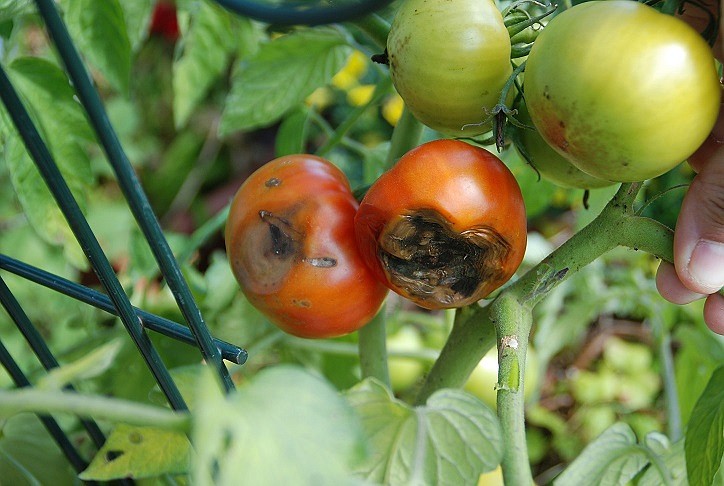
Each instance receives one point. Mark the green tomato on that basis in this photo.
(550, 164)
(449, 60)
(484, 377)
(404, 372)
(621, 90)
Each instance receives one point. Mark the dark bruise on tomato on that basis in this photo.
(445, 226)
(291, 246)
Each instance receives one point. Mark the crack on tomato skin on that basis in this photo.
(437, 266)
(321, 262)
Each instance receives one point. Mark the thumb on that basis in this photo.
(699, 235)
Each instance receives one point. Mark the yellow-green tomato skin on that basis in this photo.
(449, 60)
(621, 90)
(551, 165)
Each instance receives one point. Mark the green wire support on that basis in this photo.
(161, 325)
(21, 381)
(303, 12)
(87, 240)
(129, 183)
(41, 350)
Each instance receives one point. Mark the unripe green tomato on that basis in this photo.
(550, 164)
(449, 60)
(621, 90)
(484, 377)
(404, 372)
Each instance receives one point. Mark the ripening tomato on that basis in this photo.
(621, 90)
(164, 21)
(291, 246)
(449, 60)
(445, 226)
(542, 157)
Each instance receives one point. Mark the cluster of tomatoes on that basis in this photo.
(613, 91)
(444, 227)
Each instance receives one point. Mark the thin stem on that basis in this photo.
(513, 322)
(350, 349)
(372, 349)
(93, 406)
(406, 136)
(375, 27)
(471, 337)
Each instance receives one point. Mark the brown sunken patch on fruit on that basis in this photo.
(438, 266)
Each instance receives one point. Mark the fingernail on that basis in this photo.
(707, 265)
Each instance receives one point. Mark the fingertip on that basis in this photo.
(714, 313)
(671, 288)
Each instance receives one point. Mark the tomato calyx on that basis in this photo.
(422, 254)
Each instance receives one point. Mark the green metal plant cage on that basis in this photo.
(114, 300)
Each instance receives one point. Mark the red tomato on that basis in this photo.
(290, 241)
(164, 21)
(445, 226)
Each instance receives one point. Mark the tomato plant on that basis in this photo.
(449, 61)
(543, 158)
(445, 226)
(290, 240)
(622, 91)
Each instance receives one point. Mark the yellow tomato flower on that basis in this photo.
(352, 71)
(360, 95)
(392, 109)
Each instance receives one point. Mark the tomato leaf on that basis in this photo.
(91, 365)
(704, 443)
(28, 454)
(206, 51)
(281, 75)
(139, 452)
(99, 31)
(612, 458)
(285, 426)
(292, 134)
(137, 15)
(450, 440)
(49, 98)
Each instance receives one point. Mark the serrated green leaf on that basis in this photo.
(613, 458)
(49, 99)
(285, 426)
(206, 50)
(89, 366)
(139, 452)
(704, 443)
(137, 15)
(28, 454)
(450, 440)
(280, 76)
(292, 134)
(99, 31)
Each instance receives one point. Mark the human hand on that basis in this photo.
(698, 269)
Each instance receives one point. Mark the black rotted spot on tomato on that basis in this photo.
(438, 266)
(273, 182)
(272, 247)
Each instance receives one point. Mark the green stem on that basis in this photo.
(380, 90)
(372, 349)
(375, 27)
(406, 136)
(513, 322)
(471, 337)
(92, 406)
